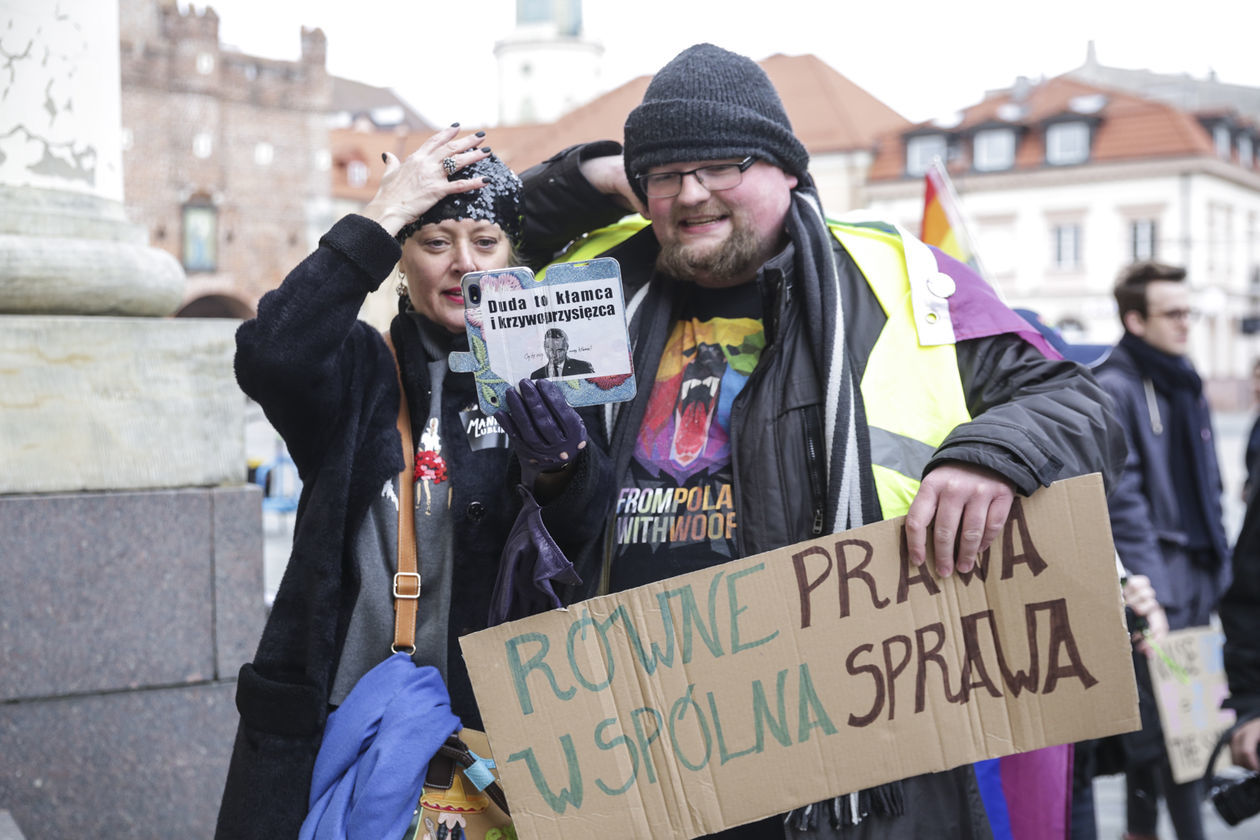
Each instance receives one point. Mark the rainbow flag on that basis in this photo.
(1028, 796)
(943, 224)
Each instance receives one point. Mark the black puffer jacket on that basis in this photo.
(328, 385)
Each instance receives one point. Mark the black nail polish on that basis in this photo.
(480, 134)
(384, 158)
(454, 125)
(485, 148)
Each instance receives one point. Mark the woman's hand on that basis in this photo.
(547, 432)
(410, 188)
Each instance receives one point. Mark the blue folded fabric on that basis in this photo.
(376, 749)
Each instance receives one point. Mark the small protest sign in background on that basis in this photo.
(729, 694)
(1189, 693)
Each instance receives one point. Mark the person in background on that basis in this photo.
(1166, 512)
(1240, 608)
(1251, 459)
(331, 387)
(771, 377)
(1240, 619)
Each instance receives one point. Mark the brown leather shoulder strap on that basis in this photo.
(407, 578)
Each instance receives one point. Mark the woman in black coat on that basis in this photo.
(329, 385)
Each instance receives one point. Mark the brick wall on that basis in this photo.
(265, 166)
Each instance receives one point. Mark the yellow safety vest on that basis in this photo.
(912, 391)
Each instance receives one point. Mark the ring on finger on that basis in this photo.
(450, 166)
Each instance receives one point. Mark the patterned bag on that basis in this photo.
(452, 806)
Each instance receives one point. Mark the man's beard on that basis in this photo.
(733, 262)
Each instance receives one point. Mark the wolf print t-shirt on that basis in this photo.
(675, 509)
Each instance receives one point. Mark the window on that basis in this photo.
(1142, 239)
(1220, 138)
(1246, 151)
(533, 11)
(1067, 247)
(1067, 143)
(921, 150)
(993, 149)
(356, 173)
(205, 63)
(203, 145)
(264, 153)
(201, 225)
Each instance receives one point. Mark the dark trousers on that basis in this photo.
(1143, 788)
(1084, 825)
(1147, 781)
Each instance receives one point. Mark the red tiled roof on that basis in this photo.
(1128, 127)
(829, 113)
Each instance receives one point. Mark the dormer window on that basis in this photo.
(993, 149)
(356, 173)
(1246, 151)
(201, 235)
(1221, 138)
(1067, 143)
(921, 150)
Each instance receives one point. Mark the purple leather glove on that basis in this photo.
(529, 566)
(547, 431)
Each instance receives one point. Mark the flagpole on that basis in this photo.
(952, 206)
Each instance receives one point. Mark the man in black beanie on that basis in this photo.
(755, 324)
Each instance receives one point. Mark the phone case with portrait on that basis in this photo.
(569, 326)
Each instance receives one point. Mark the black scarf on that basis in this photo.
(415, 350)
(1189, 434)
(851, 497)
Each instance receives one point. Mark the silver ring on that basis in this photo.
(449, 165)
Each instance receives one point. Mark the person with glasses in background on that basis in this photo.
(1171, 528)
(780, 363)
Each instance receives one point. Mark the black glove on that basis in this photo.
(546, 430)
(529, 568)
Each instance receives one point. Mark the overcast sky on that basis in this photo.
(924, 59)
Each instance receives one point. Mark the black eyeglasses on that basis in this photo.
(714, 177)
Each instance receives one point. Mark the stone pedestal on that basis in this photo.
(93, 403)
(69, 252)
(123, 624)
(65, 242)
(130, 543)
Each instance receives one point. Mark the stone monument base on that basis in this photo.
(124, 618)
(96, 403)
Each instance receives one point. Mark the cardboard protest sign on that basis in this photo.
(1188, 694)
(722, 696)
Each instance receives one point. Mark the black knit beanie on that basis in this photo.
(499, 201)
(707, 104)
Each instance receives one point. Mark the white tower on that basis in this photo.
(546, 66)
